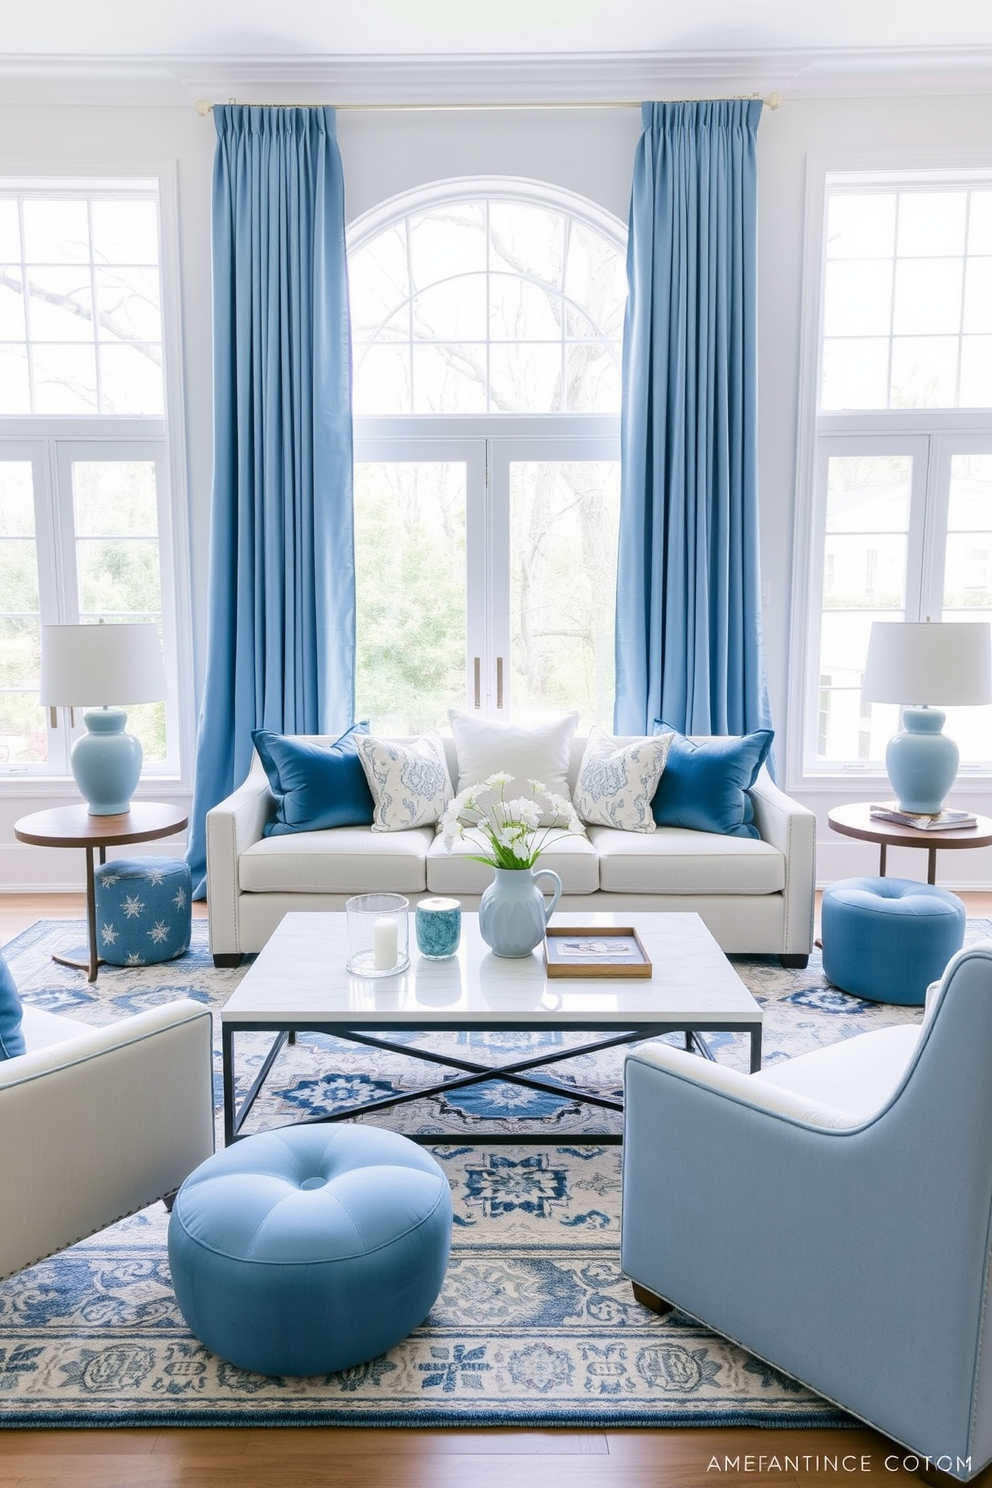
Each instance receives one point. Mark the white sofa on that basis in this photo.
(99, 1122)
(754, 895)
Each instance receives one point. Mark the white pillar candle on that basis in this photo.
(385, 944)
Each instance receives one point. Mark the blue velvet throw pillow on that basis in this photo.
(704, 786)
(11, 1037)
(315, 785)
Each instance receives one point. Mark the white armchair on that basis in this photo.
(833, 1213)
(96, 1123)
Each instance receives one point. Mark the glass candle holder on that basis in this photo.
(378, 934)
(439, 928)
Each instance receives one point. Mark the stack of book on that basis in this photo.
(938, 821)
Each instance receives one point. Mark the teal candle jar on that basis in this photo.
(439, 928)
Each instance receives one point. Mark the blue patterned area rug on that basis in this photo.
(535, 1324)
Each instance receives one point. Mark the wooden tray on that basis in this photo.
(595, 951)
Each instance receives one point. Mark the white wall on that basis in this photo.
(588, 151)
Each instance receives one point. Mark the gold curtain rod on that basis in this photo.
(204, 106)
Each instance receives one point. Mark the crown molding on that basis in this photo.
(511, 79)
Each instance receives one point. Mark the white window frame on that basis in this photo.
(53, 441)
(491, 442)
(932, 435)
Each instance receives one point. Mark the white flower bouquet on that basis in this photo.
(510, 833)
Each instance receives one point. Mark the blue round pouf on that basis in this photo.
(309, 1249)
(887, 939)
(143, 910)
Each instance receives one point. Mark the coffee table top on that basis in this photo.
(300, 976)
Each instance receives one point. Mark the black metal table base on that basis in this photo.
(471, 1072)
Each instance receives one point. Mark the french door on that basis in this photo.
(485, 575)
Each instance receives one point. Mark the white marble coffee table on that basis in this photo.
(299, 983)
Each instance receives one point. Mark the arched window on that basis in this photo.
(486, 323)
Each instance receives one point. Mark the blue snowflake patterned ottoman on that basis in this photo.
(143, 911)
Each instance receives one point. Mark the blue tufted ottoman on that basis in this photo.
(887, 939)
(311, 1248)
(143, 910)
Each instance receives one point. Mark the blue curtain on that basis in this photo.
(281, 629)
(688, 632)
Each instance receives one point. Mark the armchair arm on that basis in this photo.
(750, 1090)
(791, 828)
(232, 826)
(101, 1125)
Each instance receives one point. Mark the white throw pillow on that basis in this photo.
(537, 751)
(617, 782)
(410, 783)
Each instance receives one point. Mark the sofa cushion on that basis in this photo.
(409, 782)
(617, 781)
(525, 752)
(676, 861)
(572, 858)
(343, 860)
(315, 785)
(11, 1033)
(704, 784)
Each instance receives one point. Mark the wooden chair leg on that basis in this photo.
(651, 1300)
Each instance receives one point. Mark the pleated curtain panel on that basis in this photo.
(689, 647)
(281, 626)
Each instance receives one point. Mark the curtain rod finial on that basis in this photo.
(773, 100)
(203, 107)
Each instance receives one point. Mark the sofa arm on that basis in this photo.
(232, 826)
(784, 824)
(101, 1125)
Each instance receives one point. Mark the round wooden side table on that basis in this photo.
(72, 826)
(857, 821)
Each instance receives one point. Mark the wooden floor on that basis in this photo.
(327, 1457)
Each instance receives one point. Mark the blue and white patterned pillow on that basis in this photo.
(410, 783)
(617, 782)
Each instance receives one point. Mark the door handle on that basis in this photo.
(477, 674)
(499, 681)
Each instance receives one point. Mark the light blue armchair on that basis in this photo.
(833, 1213)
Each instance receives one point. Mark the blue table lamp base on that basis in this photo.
(921, 761)
(106, 762)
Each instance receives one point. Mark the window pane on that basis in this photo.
(855, 374)
(563, 543)
(978, 295)
(452, 311)
(596, 280)
(125, 232)
(868, 493)
(65, 379)
(450, 240)
(118, 578)
(15, 388)
(924, 371)
(931, 222)
(410, 593)
(592, 378)
(116, 522)
(860, 225)
(528, 240)
(980, 222)
(56, 232)
(114, 498)
(23, 737)
(526, 378)
(60, 304)
(976, 372)
(858, 298)
(378, 280)
(449, 379)
(382, 379)
(131, 379)
(128, 305)
(928, 297)
(11, 304)
(849, 729)
(520, 311)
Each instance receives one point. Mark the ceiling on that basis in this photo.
(543, 50)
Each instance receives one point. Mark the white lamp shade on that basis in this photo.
(940, 664)
(101, 665)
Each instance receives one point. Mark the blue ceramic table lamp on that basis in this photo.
(98, 667)
(947, 663)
